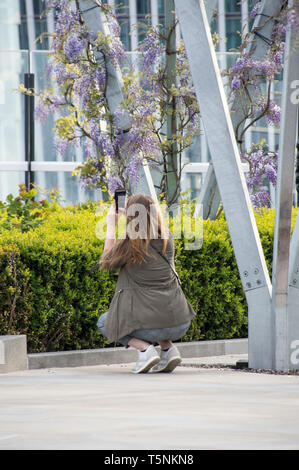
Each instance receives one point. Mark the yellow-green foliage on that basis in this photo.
(65, 296)
(48, 292)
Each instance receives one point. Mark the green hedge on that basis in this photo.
(65, 298)
(47, 292)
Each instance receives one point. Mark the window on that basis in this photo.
(233, 23)
(161, 7)
(143, 7)
(39, 24)
(233, 37)
(193, 181)
(233, 6)
(123, 16)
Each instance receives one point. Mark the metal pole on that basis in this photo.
(297, 165)
(29, 129)
(172, 157)
(284, 202)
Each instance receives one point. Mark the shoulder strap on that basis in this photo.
(164, 257)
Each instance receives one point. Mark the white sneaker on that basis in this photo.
(146, 360)
(169, 360)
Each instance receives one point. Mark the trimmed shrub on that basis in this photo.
(16, 306)
(66, 298)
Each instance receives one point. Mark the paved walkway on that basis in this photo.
(107, 407)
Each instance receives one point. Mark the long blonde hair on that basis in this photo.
(134, 249)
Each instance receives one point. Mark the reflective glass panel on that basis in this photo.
(9, 183)
(71, 190)
(13, 65)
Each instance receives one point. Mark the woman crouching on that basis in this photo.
(148, 306)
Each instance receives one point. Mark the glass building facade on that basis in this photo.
(21, 51)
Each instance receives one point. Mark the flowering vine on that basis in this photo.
(251, 82)
(112, 155)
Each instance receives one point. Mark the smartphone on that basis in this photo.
(120, 199)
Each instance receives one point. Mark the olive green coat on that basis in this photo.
(147, 296)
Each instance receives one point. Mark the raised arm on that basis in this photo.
(111, 220)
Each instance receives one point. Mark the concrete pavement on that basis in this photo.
(107, 407)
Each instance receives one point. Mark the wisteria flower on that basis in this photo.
(60, 145)
(255, 11)
(236, 83)
(73, 48)
(273, 114)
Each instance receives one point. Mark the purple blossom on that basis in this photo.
(151, 48)
(255, 11)
(246, 66)
(113, 182)
(67, 21)
(271, 173)
(100, 77)
(236, 83)
(278, 57)
(288, 20)
(82, 87)
(116, 51)
(60, 145)
(88, 147)
(267, 68)
(132, 170)
(41, 111)
(102, 140)
(292, 20)
(243, 64)
(46, 105)
(73, 48)
(86, 84)
(49, 67)
(141, 140)
(280, 30)
(261, 198)
(274, 113)
(62, 74)
(56, 3)
(89, 182)
(262, 164)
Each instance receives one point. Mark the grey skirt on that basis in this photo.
(153, 335)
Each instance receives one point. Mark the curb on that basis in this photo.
(121, 355)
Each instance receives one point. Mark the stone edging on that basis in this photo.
(121, 355)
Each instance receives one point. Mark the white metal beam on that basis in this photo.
(283, 214)
(293, 300)
(232, 184)
(290, 321)
(14, 166)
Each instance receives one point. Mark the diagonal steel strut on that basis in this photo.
(230, 177)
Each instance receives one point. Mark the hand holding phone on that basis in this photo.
(120, 198)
